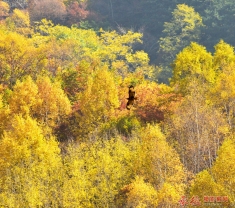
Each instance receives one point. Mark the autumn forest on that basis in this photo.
(66, 136)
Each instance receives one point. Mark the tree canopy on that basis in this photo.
(66, 137)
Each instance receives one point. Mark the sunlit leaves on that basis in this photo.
(18, 58)
(96, 172)
(69, 46)
(27, 158)
(55, 104)
(223, 170)
(224, 55)
(160, 165)
(119, 47)
(98, 102)
(194, 62)
(141, 194)
(223, 93)
(20, 18)
(198, 128)
(43, 100)
(116, 158)
(24, 97)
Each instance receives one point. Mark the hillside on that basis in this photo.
(66, 137)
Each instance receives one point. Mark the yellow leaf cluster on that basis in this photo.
(141, 194)
(4, 9)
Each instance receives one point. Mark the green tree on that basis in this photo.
(183, 28)
(70, 47)
(217, 16)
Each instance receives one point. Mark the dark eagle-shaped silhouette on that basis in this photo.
(131, 98)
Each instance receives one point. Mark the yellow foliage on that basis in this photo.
(96, 172)
(19, 21)
(194, 62)
(223, 56)
(19, 58)
(205, 185)
(24, 97)
(223, 169)
(27, 159)
(43, 100)
(20, 18)
(108, 49)
(4, 9)
(168, 194)
(160, 165)
(54, 103)
(98, 102)
(188, 16)
(223, 92)
(141, 194)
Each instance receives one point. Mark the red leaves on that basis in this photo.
(76, 12)
(154, 102)
(148, 109)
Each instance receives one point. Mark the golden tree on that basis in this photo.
(29, 165)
